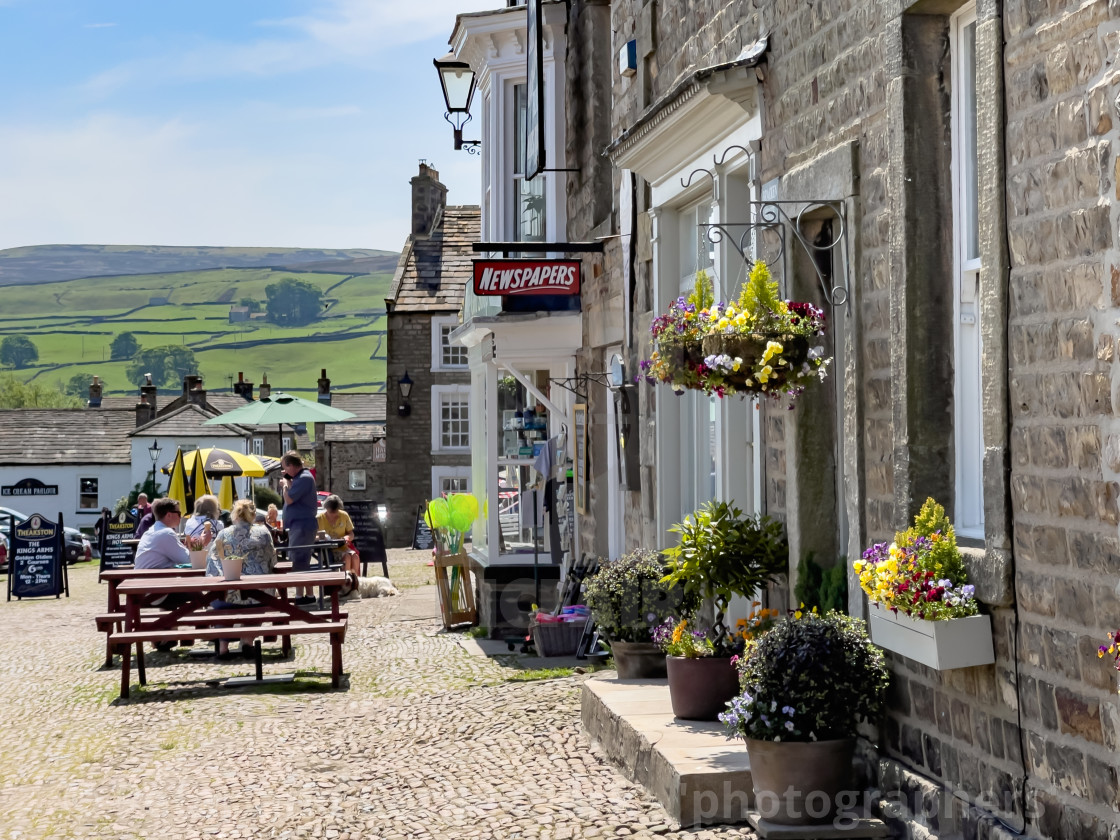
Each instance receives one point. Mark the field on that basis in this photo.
(73, 323)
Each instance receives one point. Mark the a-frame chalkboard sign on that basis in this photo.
(35, 559)
(114, 530)
(368, 538)
(422, 537)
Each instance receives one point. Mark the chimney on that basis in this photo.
(145, 413)
(243, 388)
(148, 394)
(324, 388)
(429, 198)
(265, 391)
(197, 393)
(95, 393)
(190, 382)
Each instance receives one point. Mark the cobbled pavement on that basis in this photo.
(423, 741)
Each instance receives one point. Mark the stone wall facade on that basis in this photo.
(406, 475)
(856, 103)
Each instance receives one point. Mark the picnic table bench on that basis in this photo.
(275, 615)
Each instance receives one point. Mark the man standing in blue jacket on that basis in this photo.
(300, 506)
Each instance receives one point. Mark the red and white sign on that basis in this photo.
(526, 277)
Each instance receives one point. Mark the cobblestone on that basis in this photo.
(424, 741)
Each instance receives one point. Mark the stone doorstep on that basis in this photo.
(697, 774)
(854, 829)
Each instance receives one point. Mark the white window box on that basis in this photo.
(943, 645)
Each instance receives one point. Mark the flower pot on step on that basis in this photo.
(638, 660)
(799, 782)
(699, 689)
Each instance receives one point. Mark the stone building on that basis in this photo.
(350, 455)
(953, 164)
(427, 430)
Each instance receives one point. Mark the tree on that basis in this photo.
(167, 365)
(250, 303)
(17, 394)
(78, 385)
(18, 351)
(293, 302)
(124, 346)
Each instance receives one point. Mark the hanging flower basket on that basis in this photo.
(759, 345)
(942, 645)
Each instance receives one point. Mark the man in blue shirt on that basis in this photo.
(160, 547)
(301, 503)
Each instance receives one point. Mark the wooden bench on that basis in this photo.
(336, 629)
(114, 623)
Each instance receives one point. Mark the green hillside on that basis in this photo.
(73, 323)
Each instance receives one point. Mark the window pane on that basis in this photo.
(454, 423)
(451, 355)
(967, 67)
(87, 494)
(258, 446)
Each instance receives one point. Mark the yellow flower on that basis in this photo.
(773, 348)
(723, 323)
(765, 374)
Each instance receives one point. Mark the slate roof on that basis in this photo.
(353, 432)
(433, 271)
(117, 403)
(65, 436)
(187, 421)
(366, 408)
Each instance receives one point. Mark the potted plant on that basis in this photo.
(922, 604)
(628, 598)
(722, 553)
(700, 682)
(807, 683)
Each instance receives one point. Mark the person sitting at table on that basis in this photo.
(159, 547)
(253, 543)
(338, 525)
(206, 509)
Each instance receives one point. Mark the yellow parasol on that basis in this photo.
(226, 494)
(177, 483)
(197, 485)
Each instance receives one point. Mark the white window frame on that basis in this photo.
(258, 446)
(439, 473)
(439, 392)
(97, 500)
(439, 324)
(286, 444)
(968, 419)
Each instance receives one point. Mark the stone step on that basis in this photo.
(698, 774)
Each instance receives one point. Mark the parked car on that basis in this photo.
(72, 543)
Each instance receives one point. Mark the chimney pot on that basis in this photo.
(95, 393)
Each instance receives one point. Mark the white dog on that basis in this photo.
(376, 587)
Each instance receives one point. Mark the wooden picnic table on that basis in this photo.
(276, 615)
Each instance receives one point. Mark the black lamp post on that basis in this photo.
(404, 408)
(153, 452)
(456, 79)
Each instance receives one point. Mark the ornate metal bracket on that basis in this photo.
(578, 384)
(783, 218)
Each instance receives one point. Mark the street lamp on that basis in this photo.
(153, 452)
(404, 408)
(457, 80)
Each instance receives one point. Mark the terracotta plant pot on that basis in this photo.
(798, 782)
(700, 688)
(638, 660)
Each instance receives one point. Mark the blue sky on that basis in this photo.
(294, 123)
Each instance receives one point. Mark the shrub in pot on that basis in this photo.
(628, 597)
(723, 553)
(806, 683)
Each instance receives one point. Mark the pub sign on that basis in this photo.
(508, 277)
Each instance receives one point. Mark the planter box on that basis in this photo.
(944, 645)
